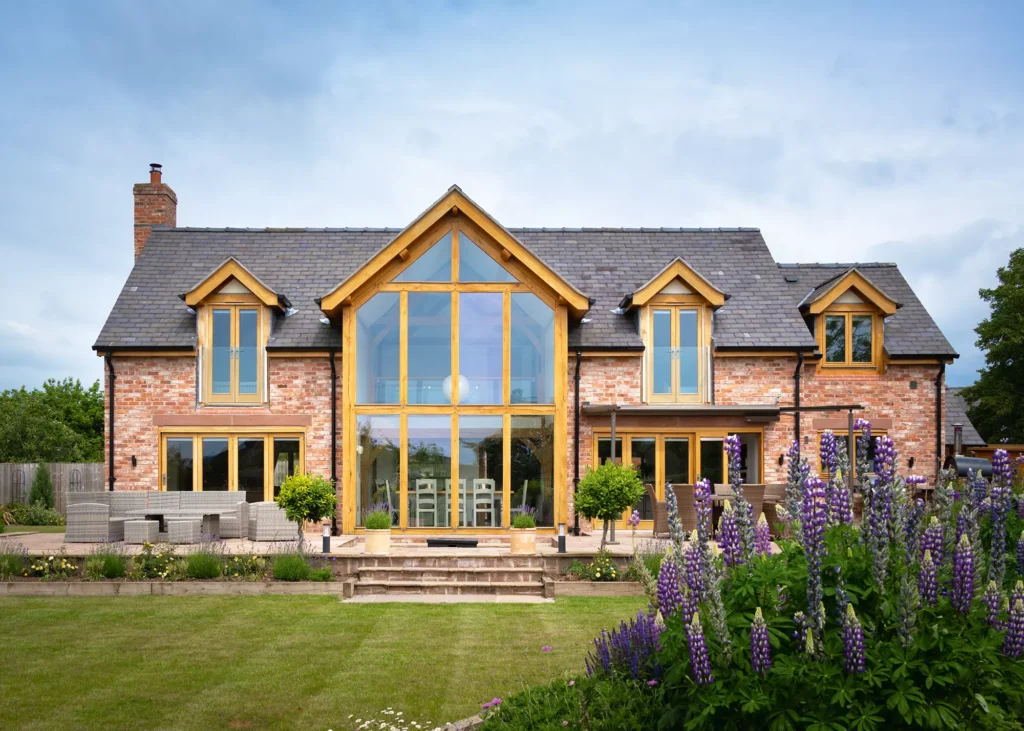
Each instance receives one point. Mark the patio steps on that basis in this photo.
(450, 575)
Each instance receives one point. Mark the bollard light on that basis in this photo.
(561, 537)
(327, 537)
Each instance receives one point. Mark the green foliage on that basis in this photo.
(996, 400)
(291, 567)
(106, 562)
(12, 562)
(307, 498)
(588, 703)
(42, 487)
(602, 568)
(52, 568)
(323, 574)
(203, 564)
(154, 562)
(36, 514)
(377, 520)
(523, 520)
(61, 422)
(248, 568)
(605, 493)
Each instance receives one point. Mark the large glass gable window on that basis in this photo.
(455, 389)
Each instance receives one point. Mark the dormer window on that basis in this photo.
(233, 311)
(849, 311)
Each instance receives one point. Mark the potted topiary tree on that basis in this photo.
(523, 537)
(307, 497)
(377, 522)
(607, 492)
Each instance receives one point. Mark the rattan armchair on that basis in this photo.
(660, 513)
(91, 523)
(267, 522)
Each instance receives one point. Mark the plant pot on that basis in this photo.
(524, 540)
(378, 542)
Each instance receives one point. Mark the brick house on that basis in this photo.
(455, 351)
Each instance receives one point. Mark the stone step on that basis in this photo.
(451, 573)
(462, 562)
(364, 587)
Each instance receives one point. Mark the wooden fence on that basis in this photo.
(16, 480)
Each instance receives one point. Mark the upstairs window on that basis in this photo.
(233, 357)
(677, 353)
(849, 339)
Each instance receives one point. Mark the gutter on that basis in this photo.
(576, 442)
(939, 431)
(112, 378)
(334, 437)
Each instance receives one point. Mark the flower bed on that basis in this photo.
(913, 619)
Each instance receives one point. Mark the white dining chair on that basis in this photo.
(462, 498)
(426, 500)
(483, 499)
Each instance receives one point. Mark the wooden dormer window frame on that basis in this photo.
(242, 348)
(851, 317)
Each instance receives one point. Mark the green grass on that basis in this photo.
(34, 528)
(279, 662)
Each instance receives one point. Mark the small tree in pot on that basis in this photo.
(607, 492)
(307, 497)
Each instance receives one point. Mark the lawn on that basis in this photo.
(279, 662)
(34, 528)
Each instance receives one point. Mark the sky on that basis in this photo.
(844, 131)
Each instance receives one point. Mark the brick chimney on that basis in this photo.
(155, 205)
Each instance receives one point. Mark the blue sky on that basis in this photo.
(852, 132)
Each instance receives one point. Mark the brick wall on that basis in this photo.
(155, 205)
(152, 386)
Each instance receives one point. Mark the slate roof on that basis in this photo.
(605, 264)
(956, 413)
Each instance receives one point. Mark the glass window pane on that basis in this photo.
(434, 265)
(430, 471)
(711, 455)
(180, 466)
(750, 459)
(533, 350)
(286, 461)
(480, 348)
(480, 471)
(378, 465)
(689, 352)
(477, 266)
(662, 366)
(248, 351)
(604, 450)
(677, 461)
(251, 468)
(221, 368)
(861, 337)
(643, 456)
(430, 348)
(835, 339)
(533, 466)
(215, 464)
(377, 343)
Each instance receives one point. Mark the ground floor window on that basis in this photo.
(679, 456)
(253, 463)
(466, 469)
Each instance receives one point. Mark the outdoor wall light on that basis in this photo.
(134, 463)
(910, 463)
(782, 459)
(561, 537)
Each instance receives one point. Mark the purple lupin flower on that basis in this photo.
(909, 603)
(796, 474)
(1017, 592)
(933, 540)
(928, 580)
(979, 486)
(813, 523)
(744, 510)
(853, 643)
(1002, 470)
(670, 596)
(700, 663)
(760, 648)
(1013, 644)
(702, 506)
(762, 537)
(829, 457)
(992, 599)
(1002, 494)
(695, 579)
(963, 575)
(1020, 552)
(675, 525)
(729, 540)
(912, 528)
(801, 623)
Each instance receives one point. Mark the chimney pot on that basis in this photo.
(154, 172)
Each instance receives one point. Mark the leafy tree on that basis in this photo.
(42, 487)
(606, 492)
(996, 400)
(61, 422)
(307, 497)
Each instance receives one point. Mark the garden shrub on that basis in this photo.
(106, 562)
(915, 619)
(602, 568)
(42, 489)
(154, 562)
(248, 567)
(291, 567)
(307, 498)
(324, 574)
(12, 562)
(39, 514)
(377, 517)
(15, 513)
(606, 492)
(56, 567)
(203, 564)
